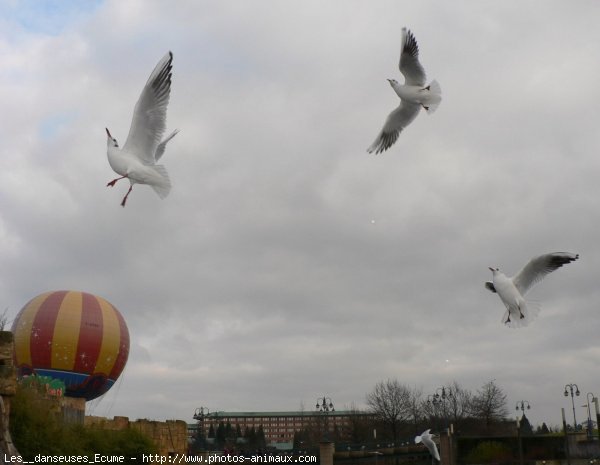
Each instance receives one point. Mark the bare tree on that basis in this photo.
(3, 319)
(459, 405)
(416, 408)
(391, 403)
(489, 404)
(454, 406)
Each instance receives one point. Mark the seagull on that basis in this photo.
(511, 291)
(414, 95)
(427, 439)
(137, 159)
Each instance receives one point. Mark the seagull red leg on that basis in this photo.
(112, 183)
(126, 195)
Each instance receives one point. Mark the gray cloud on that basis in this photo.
(287, 263)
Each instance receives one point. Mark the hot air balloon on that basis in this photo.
(76, 337)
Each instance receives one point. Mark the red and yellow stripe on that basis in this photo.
(71, 331)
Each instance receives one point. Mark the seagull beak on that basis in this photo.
(108, 133)
(491, 269)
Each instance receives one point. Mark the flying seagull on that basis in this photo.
(137, 159)
(427, 439)
(414, 95)
(511, 291)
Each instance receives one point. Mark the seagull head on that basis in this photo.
(393, 82)
(111, 142)
(493, 270)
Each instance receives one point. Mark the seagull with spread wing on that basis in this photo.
(427, 439)
(137, 159)
(414, 95)
(511, 291)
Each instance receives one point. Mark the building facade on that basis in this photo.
(279, 427)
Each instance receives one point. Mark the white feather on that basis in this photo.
(427, 439)
(414, 94)
(520, 312)
(137, 159)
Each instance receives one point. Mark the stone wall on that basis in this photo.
(170, 437)
(8, 388)
(8, 376)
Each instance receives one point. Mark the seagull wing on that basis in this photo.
(539, 267)
(432, 448)
(427, 439)
(396, 121)
(160, 150)
(150, 114)
(413, 72)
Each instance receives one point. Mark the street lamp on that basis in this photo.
(571, 386)
(200, 414)
(524, 405)
(325, 405)
(442, 394)
(521, 404)
(589, 422)
(432, 400)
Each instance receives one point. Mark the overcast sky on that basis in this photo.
(287, 263)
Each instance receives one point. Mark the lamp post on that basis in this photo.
(200, 414)
(589, 421)
(597, 416)
(432, 401)
(325, 406)
(523, 405)
(566, 393)
(442, 394)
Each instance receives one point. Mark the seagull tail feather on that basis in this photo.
(434, 98)
(530, 310)
(161, 185)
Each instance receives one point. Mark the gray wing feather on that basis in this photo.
(410, 67)
(538, 267)
(150, 114)
(396, 121)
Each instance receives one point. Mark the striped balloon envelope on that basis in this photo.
(76, 337)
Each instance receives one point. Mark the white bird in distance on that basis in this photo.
(414, 95)
(511, 291)
(137, 159)
(427, 440)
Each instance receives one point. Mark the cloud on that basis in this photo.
(287, 263)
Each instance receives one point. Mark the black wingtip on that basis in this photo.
(410, 45)
(563, 259)
(490, 286)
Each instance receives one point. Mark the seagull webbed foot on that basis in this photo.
(113, 182)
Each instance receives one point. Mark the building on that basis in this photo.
(279, 427)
